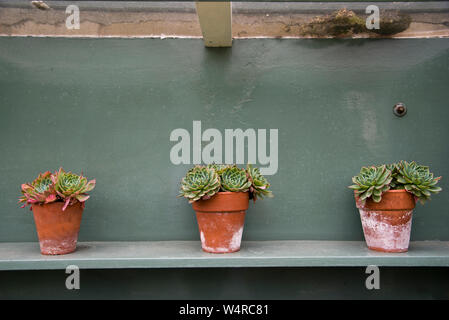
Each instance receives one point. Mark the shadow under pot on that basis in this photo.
(388, 223)
(221, 220)
(57, 230)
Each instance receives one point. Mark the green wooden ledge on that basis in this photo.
(188, 254)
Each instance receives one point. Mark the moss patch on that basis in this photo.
(339, 23)
(345, 23)
(392, 23)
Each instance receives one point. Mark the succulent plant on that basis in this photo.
(200, 183)
(259, 184)
(372, 182)
(234, 179)
(41, 190)
(417, 180)
(218, 167)
(394, 173)
(59, 186)
(71, 187)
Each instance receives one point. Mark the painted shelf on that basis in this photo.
(188, 254)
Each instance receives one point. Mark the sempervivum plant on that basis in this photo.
(372, 182)
(259, 184)
(414, 178)
(71, 187)
(60, 186)
(394, 184)
(41, 190)
(219, 168)
(234, 179)
(417, 180)
(200, 183)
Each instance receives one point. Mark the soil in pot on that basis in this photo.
(221, 220)
(387, 224)
(57, 230)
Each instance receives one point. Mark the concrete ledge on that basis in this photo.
(246, 7)
(155, 19)
(188, 254)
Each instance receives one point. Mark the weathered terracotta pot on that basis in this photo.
(220, 221)
(57, 230)
(387, 224)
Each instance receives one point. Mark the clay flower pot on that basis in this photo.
(220, 221)
(57, 230)
(387, 224)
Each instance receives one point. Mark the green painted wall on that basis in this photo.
(107, 107)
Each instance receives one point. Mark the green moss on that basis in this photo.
(339, 23)
(392, 23)
(345, 23)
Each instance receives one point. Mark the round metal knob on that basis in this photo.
(399, 109)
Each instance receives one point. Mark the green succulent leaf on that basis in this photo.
(200, 182)
(259, 184)
(59, 186)
(372, 182)
(71, 187)
(416, 179)
(234, 179)
(219, 168)
(41, 190)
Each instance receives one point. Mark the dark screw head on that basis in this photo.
(400, 109)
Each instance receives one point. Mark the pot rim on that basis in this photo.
(223, 202)
(392, 200)
(57, 204)
(229, 192)
(43, 203)
(394, 190)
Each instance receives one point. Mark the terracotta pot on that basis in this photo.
(57, 230)
(387, 224)
(220, 221)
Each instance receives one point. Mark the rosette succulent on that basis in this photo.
(394, 173)
(218, 167)
(414, 178)
(234, 179)
(200, 183)
(259, 184)
(61, 186)
(41, 190)
(71, 187)
(372, 182)
(417, 180)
